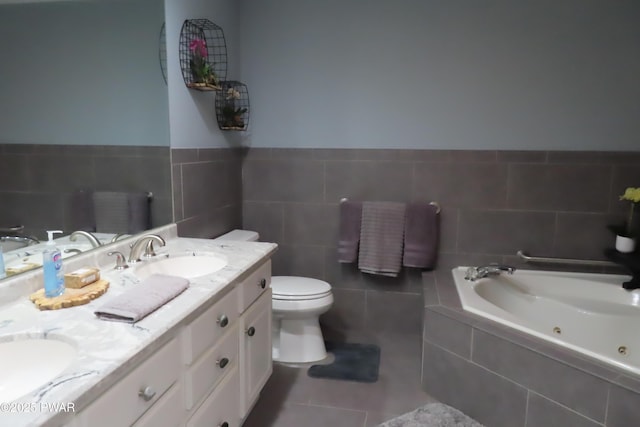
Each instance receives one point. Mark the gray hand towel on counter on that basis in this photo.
(381, 238)
(121, 212)
(349, 238)
(420, 235)
(143, 299)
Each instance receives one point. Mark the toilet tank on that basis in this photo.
(240, 235)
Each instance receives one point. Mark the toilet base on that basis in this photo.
(297, 340)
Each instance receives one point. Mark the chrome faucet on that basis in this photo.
(144, 242)
(90, 237)
(119, 236)
(474, 273)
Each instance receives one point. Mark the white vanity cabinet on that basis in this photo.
(209, 374)
(255, 357)
(255, 336)
(126, 401)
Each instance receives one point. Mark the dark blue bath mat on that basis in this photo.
(353, 362)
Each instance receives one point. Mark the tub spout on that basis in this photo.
(474, 273)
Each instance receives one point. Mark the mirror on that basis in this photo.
(83, 106)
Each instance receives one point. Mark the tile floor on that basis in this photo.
(293, 399)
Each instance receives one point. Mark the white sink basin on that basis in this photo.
(28, 364)
(187, 266)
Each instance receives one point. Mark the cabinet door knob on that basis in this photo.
(224, 424)
(251, 331)
(222, 362)
(223, 321)
(262, 283)
(147, 393)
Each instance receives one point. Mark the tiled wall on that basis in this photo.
(504, 378)
(207, 191)
(36, 181)
(494, 203)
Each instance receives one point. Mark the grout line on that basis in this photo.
(526, 408)
(606, 407)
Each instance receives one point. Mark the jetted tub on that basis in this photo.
(588, 313)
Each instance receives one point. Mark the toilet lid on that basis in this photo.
(293, 287)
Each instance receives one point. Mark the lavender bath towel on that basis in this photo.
(143, 299)
(381, 238)
(121, 212)
(349, 239)
(81, 212)
(420, 236)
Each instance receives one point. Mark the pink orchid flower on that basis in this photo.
(198, 46)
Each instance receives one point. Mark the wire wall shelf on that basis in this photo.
(232, 106)
(203, 55)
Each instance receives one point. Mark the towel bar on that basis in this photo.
(568, 261)
(436, 204)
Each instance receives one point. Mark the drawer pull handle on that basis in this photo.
(263, 283)
(223, 321)
(147, 393)
(222, 362)
(224, 424)
(251, 331)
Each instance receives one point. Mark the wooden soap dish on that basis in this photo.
(70, 297)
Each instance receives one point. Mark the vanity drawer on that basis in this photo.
(254, 285)
(207, 371)
(221, 406)
(168, 411)
(203, 332)
(124, 403)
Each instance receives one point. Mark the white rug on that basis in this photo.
(433, 415)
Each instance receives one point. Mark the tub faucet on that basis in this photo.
(90, 237)
(474, 273)
(144, 242)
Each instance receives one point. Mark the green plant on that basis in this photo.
(232, 115)
(632, 194)
(200, 68)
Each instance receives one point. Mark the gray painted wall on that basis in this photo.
(454, 74)
(82, 73)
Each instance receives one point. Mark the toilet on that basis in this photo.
(296, 303)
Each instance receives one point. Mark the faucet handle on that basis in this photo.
(149, 250)
(121, 262)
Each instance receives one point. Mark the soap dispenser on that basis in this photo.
(52, 266)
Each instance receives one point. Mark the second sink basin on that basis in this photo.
(30, 363)
(187, 266)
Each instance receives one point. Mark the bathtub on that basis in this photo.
(589, 313)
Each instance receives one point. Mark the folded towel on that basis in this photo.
(121, 212)
(139, 212)
(420, 235)
(349, 238)
(381, 238)
(146, 297)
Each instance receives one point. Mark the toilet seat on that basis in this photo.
(294, 288)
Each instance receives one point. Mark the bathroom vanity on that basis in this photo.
(200, 360)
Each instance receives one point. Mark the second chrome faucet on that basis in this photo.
(144, 242)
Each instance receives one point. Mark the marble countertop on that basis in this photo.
(107, 350)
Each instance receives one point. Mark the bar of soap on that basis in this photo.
(20, 268)
(82, 277)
